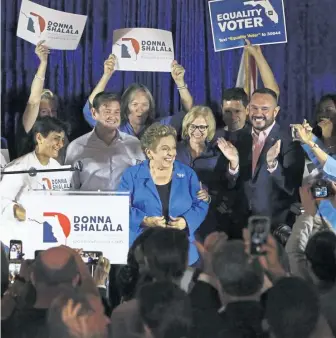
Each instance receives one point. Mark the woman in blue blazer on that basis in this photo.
(163, 192)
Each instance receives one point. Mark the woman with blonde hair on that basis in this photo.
(163, 192)
(199, 152)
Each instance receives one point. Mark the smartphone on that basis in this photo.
(295, 135)
(91, 257)
(14, 270)
(15, 250)
(259, 228)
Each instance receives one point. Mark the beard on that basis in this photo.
(261, 123)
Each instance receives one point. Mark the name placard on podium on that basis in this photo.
(83, 220)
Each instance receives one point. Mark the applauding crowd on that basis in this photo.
(232, 230)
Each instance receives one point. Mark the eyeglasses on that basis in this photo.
(201, 128)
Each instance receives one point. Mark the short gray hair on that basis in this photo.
(238, 274)
(154, 134)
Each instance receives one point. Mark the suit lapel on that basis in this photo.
(148, 181)
(269, 142)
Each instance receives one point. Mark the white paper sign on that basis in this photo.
(92, 222)
(143, 49)
(56, 180)
(59, 29)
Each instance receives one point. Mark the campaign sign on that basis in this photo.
(59, 29)
(89, 221)
(56, 180)
(261, 21)
(143, 49)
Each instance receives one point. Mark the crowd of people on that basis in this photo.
(193, 188)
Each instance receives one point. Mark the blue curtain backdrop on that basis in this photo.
(305, 67)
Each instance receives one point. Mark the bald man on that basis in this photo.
(54, 270)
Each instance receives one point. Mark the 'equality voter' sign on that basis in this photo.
(143, 49)
(260, 21)
(59, 29)
(92, 222)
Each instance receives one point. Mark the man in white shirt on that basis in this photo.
(104, 152)
(49, 135)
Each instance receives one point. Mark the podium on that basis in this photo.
(92, 221)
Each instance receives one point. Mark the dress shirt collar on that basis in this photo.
(263, 134)
(94, 137)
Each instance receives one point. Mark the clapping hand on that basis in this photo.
(229, 151)
(273, 153)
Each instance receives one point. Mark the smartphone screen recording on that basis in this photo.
(14, 270)
(91, 257)
(259, 228)
(15, 250)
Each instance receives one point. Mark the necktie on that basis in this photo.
(258, 145)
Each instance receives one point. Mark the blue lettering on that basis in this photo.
(85, 219)
(100, 219)
(84, 227)
(76, 219)
(105, 228)
(119, 228)
(108, 220)
(92, 228)
(76, 226)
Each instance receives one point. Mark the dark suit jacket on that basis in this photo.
(264, 193)
(241, 319)
(105, 301)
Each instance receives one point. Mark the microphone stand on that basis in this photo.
(33, 171)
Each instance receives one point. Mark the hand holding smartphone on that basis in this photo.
(15, 257)
(259, 228)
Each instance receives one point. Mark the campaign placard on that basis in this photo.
(60, 30)
(89, 221)
(143, 49)
(261, 21)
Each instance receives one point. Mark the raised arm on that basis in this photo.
(265, 70)
(177, 73)
(32, 109)
(109, 65)
(100, 87)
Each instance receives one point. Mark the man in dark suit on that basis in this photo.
(229, 307)
(265, 167)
